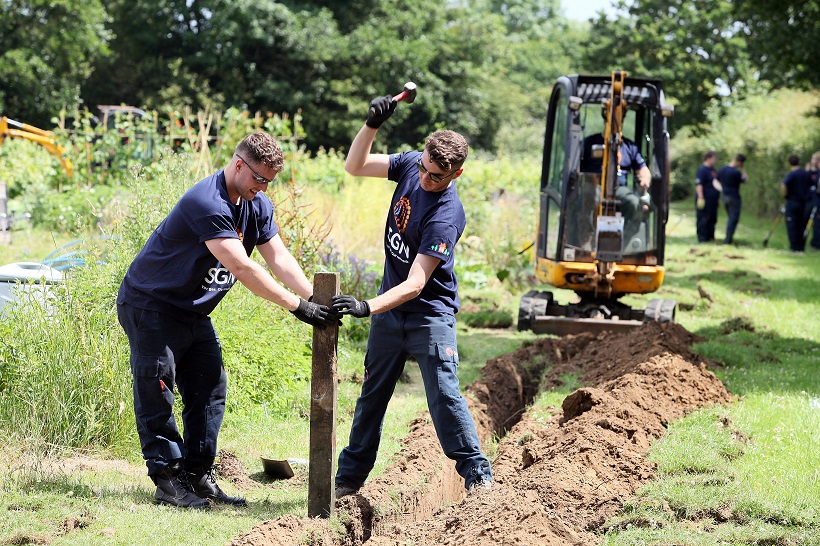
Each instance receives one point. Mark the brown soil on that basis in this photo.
(555, 482)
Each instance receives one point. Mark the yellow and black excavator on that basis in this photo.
(600, 231)
(15, 129)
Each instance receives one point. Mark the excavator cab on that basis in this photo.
(600, 231)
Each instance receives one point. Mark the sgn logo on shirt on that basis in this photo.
(219, 276)
(397, 247)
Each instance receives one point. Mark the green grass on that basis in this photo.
(31, 245)
(748, 473)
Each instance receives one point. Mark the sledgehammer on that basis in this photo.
(407, 95)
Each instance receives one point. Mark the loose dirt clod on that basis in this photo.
(555, 483)
(230, 467)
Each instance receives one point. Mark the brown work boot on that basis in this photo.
(173, 489)
(206, 487)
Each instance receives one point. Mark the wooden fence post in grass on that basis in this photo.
(323, 389)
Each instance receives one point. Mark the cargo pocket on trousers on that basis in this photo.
(151, 393)
(447, 353)
(447, 370)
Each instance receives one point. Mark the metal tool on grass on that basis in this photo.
(812, 214)
(281, 469)
(774, 225)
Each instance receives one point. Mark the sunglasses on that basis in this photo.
(256, 176)
(433, 176)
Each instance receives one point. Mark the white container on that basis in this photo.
(27, 277)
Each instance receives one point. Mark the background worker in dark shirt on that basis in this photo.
(814, 173)
(731, 176)
(796, 188)
(707, 198)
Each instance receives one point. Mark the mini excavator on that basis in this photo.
(588, 239)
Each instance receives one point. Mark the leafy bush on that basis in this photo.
(267, 354)
(501, 203)
(75, 210)
(25, 165)
(487, 319)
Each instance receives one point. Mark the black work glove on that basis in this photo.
(315, 314)
(381, 108)
(348, 305)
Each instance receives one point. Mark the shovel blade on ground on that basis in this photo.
(277, 469)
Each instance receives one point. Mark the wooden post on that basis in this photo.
(323, 392)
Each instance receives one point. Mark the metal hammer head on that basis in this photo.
(408, 95)
(410, 89)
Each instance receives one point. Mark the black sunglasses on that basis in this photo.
(256, 176)
(433, 176)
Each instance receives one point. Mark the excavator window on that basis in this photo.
(558, 147)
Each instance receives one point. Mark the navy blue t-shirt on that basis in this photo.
(731, 179)
(798, 186)
(175, 273)
(704, 177)
(629, 158)
(422, 222)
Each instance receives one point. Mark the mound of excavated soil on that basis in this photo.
(555, 483)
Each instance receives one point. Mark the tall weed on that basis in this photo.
(64, 378)
(64, 372)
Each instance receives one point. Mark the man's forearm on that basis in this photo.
(292, 276)
(394, 297)
(258, 281)
(360, 149)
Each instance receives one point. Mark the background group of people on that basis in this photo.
(710, 184)
(799, 189)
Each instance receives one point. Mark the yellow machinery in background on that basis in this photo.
(585, 242)
(15, 129)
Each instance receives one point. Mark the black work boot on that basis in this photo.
(205, 486)
(173, 489)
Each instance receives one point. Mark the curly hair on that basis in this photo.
(447, 149)
(262, 148)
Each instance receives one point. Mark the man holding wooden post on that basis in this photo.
(186, 267)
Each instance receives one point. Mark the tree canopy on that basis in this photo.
(483, 67)
(48, 48)
(709, 53)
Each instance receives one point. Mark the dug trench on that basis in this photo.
(557, 479)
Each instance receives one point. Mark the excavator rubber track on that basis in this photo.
(540, 313)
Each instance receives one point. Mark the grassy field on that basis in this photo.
(748, 473)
